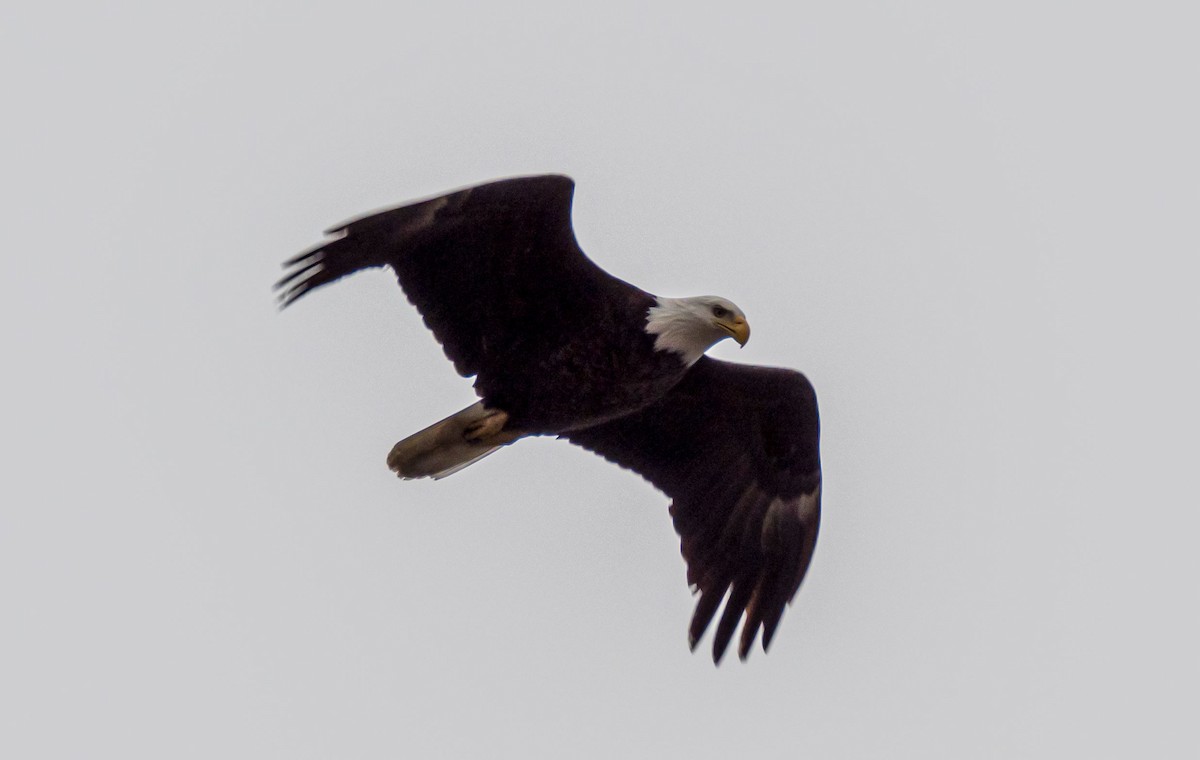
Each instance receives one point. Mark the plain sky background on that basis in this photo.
(973, 225)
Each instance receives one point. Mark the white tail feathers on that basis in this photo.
(440, 449)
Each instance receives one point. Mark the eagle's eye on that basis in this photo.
(720, 312)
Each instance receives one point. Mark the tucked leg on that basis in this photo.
(488, 428)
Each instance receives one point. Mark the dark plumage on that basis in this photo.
(560, 347)
(727, 443)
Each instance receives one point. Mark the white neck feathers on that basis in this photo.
(677, 327)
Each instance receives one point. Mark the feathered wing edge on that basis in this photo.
(360, 243)
(756, 586)
(736, 448)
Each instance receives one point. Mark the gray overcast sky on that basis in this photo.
(972, 225)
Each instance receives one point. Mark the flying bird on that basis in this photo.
(558, 346)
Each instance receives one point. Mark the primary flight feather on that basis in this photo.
(560, 347)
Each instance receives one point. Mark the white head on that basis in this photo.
(691, 326)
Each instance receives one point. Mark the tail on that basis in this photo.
(440, 449)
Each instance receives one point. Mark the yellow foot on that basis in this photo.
(487, 428)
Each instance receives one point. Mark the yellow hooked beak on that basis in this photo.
(738, 329)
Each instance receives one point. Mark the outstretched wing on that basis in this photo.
(736, 448)
(491, 268)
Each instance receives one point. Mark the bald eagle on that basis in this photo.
(560, 347)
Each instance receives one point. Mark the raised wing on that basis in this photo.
(736, 448)
(491, 268)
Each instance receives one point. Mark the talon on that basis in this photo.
(485, 428)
